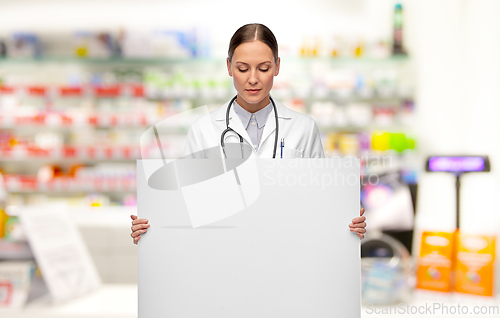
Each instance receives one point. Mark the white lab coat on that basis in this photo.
(300, 132)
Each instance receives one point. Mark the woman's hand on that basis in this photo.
(358, 224)
(139, 226)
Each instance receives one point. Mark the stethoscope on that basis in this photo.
(228, 129)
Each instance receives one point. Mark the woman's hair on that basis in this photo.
(253, 32)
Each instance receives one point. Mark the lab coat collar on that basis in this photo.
(282, 111)
(260, 116)
(237, 125)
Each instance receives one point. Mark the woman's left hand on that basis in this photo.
(358, 224)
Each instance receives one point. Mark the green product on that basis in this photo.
(10, 226)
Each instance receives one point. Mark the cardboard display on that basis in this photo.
(60, 252)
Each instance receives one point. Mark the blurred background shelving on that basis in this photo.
(75, 101)
(85, 110)
(70, 127)
(81, 81)
(75, 104)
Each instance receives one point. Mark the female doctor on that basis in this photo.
(258, 119)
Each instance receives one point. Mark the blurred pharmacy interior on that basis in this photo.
(412, 88)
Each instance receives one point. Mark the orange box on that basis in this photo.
(434, 265)
(475, 261)
(3, 221)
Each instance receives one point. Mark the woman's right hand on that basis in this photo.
(139, 226)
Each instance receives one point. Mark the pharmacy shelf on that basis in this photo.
(109, 91)
(56, 120)
(73, 191)
(12, 250)
(82, 153)
(160, 61)
(82, 216)
(182, 130)
(175, 91)
(54, 160)
(30, 184)
(393, 127)
(218, 94)
(43, 160)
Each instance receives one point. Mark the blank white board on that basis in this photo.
(284, 250)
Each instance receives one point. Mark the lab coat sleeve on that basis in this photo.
(314, 147)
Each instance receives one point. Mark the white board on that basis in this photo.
(287, 253)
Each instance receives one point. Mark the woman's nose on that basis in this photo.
(253, 78)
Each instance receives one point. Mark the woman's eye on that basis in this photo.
(262, 70)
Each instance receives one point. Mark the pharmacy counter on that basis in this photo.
(120, 301)
(110, 301)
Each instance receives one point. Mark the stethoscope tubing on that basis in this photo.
(228, 129)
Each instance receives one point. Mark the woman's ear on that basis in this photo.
(229, 67)
(277, 70)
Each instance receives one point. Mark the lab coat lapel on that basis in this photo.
(236, 124)
(269, 128)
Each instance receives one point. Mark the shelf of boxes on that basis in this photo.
(109, 91)
(80, 153)
(189, 60)
(55, 120)
(31, 184)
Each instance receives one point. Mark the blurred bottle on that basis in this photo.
(309, 47)
(335, 47)
(82, 43)
(26, 45)
(360, 48)
(3, 48)
(397, 44)
(304, 50)
(317, 47)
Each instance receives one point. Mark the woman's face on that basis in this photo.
(253, 70)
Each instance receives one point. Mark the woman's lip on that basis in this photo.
(253, 90)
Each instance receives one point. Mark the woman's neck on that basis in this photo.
(252, 108)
